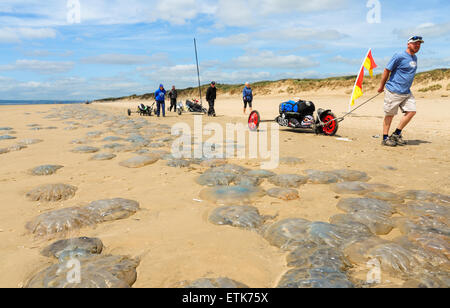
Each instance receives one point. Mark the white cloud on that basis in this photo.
(122, 59)
(236, 13)
(68, 88)
(179, 11)
(297, 33)
(427, 30)
(186, 75)
(432, 63)
(37, 53)
(13, 35)
(241, 13)
(268, 59)
(43, 67)
(105, 12)
(238, 39)
(282, 6)
(300, 34)
(341, 59)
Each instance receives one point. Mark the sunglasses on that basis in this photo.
(416, 38)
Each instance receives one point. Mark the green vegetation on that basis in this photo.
(294, 86)
(434, 75)
(431, 88)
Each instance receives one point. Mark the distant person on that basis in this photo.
(173, 95)
(400, 71)
(160, 97)
(211, 95)
(247, 96)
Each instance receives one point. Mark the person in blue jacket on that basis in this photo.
(160, 97)
(247, 96)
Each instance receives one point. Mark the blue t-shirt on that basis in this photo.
(403, 67)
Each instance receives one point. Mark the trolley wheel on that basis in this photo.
(331, 128)
(253, 121)
(129, 112)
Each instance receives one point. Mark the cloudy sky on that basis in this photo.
(80, 49)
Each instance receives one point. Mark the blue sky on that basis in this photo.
(122, 47)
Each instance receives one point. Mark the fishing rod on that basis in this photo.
(198, 72)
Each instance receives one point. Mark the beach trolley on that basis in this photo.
(300, 115)
(194, 106)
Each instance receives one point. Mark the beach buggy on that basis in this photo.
(300, 115)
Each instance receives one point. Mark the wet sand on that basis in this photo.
(171, 233)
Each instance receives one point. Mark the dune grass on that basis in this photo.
(292, 86)
(431, 88)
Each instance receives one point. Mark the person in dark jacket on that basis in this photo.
(160, 97)
(173, 95)
(210, 98)
(247, 96)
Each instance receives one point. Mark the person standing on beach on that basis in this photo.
(211, 95)
(247, 96)
(160, 97)
(400, 71)
(173, 95)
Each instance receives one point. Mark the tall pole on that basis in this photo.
(198, 72)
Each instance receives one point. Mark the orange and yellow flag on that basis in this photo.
(357, 91)
(370, 65)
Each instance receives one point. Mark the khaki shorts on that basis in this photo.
(392, 101)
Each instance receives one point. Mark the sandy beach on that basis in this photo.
(171, 234)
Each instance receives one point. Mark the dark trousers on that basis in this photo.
(211, 110)
(173, 104)
(160, 105)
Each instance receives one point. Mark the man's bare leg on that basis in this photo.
(387, 124)
(406, 119)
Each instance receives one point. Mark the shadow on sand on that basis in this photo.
(417, 142)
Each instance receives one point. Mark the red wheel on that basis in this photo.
(331, 128)
(253, 121)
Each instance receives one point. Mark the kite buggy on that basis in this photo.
(143, 110)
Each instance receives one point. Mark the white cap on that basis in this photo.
(415, 38)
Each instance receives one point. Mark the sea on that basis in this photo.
(37, 102)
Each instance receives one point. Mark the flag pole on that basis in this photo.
(357, 77)
(198, 72)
